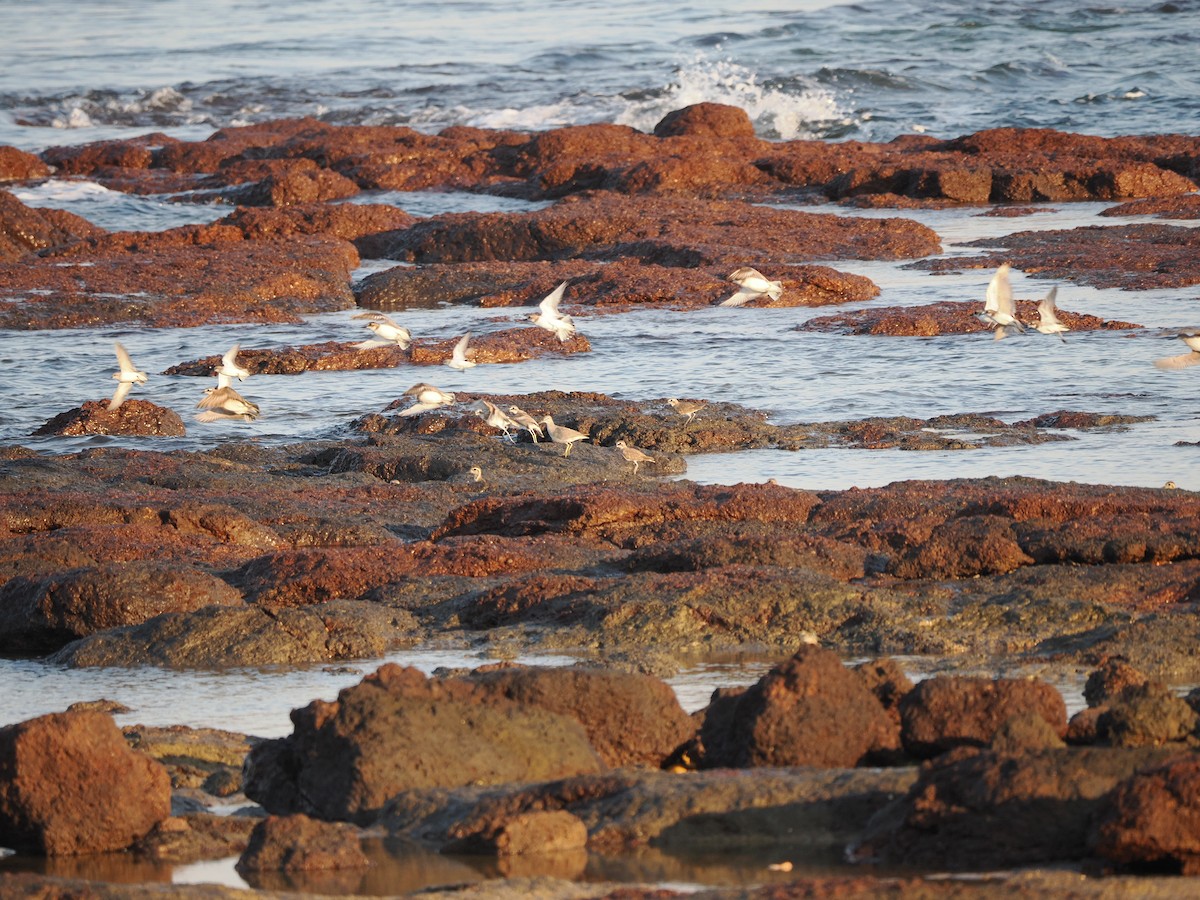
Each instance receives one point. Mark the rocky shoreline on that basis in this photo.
(341, 549)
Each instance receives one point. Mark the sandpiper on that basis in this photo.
(428, 397)
(999, 309)
(126, 378)
(497, 418)
(550, 318)
(687, 408)
(458, 359)
(634, 455)
(226, 402)
(1048, 316)
(560, 434)
(752, 284)
(1191, 358)
(526, 421)
(388, 331)
(476, 473)
(229, 365)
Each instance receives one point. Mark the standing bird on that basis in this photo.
(634, 455)
(458, 359)
(1191, 358)
(1048, 316)
(126, 378)
(687, 408)
(497, 418)
(550, 318)
(526, 421)
(428, 397)
(999, 309)
(752, 284)
(560, 434)
(229, 365)
(388, 331)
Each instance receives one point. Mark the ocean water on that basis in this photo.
(83, 71)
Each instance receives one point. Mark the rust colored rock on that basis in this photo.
(808, 711)
(283, 182)
(85, 159)
(715, 119)
(509, 345)
(747, 545)
(945, 712)
(631, 719)
(1105, 682)
(347, 221)
(886, 680)
(949, 317)
(17, 165)
(1024, 733)
(964, 547)
(69, 785)
(552, 831)
(977, 810)
(1146, 715)
(1181, 206)
(1152, 819)
(297, 843)
(674, 232)
(134, 417)
(25, 231)
(398, 730)
(181, 277)
(45, 613)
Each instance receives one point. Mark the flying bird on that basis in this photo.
(1048, 316)
(126, 378)
(1191, 358)
(388, 331)
(428, 397)
(458, 359)
(560, 434)
(229, 365)
(687, 408)
(633, 455)
(550, 318)
(224, 402)
(999, 309)
(752, 284)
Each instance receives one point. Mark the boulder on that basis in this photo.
(1152, 819)
(139, 418)
(297, 843)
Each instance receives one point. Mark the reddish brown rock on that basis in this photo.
(977, 810)
(1152, 819)
(297, 843)
(25, 231)
(69, 784)
(942, 713)
(283, 182)
(48, 612)
(550, 831)
(1146, 715)
(748, 545)
(17, 165)
(509, 345)
(84, 159)
(1182, 206)
(714, 119)
(886, 680)
(347, 221)
(1110, 679)
(949, 317)
(139, 418)
(808, 711)
(398, 730)
(963, 547)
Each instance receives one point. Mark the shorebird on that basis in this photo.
(1170, 486)
(222, 415)
(476, 473)
(458, 359)
(126, 378)
(229, 366)
(526, 421)
(550, 318)
(1191, 358)
(1048, 316)
(560, 434)
(428, 397)
(999, 310)
(633, 455)
(388, 331)
(497, 418)
(687, 408)
(224, 402)
(752, 284)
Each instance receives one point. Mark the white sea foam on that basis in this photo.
(776, 113)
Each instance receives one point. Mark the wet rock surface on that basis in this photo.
(949, 318)
(139, 418)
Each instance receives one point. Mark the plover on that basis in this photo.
(687, 408)
(388, 331)
(1191, 358)
(560, 434)
(126, 378)
(1048, 316)
(634, 455)
(550, 318)
(752, 284)
(458, 359)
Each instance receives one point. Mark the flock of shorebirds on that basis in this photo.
(224, 403)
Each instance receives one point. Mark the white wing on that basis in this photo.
(549, 304)
(999, 293)
(1178, 362)
(459, 356)
(119, 395)
(740, 297)
(375, 317)
(229, 360)
(124, 361)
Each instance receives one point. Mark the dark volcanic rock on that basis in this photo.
(949, 317)
(45, 613)
(979, 809)
(139, 418)
(297, 844)
(946, 712)
(397, 730)
(1152, 819)
(70, 785)
(808, 711)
